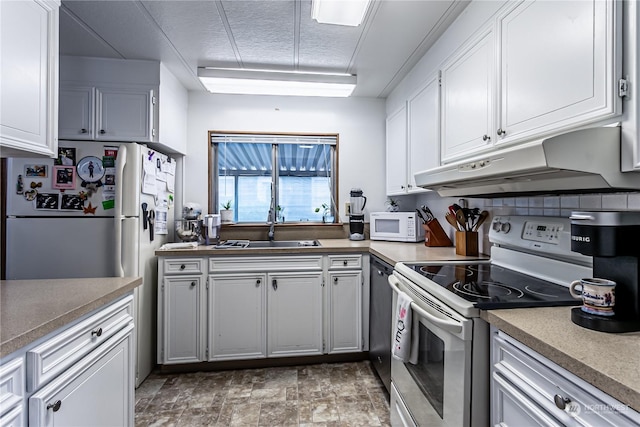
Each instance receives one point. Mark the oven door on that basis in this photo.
(436, 389)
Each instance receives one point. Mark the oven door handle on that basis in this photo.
(452, 327)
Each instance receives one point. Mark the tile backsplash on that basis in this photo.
(546, 205)
(561, 205)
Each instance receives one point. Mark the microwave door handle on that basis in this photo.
(452, 327)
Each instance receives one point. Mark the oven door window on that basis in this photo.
(429, 372)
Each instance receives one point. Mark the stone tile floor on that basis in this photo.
(336, 394)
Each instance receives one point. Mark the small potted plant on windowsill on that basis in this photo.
(280, 213)
(226, 213)
(326, 213)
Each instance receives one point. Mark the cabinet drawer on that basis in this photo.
(541, 380)
(337, 262)
(54, 356)
(11, 383)
(183, 266)
(265, 264)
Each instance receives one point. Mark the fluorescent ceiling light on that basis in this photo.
(339, 12)
(267, 82)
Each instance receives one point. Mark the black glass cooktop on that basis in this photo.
(489, 286)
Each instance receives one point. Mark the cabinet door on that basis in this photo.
(97, 391)
(29, 84)
(424, 131)
(467, 98)
(124, 114)
(183, 319)
(345, 312)
(76, 115)
(558, 66)
(238, 327)
(294, 302)
(396, 158)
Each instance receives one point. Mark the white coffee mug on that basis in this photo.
(598, 295)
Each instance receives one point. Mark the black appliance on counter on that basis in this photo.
(613, 239)
(380, 311)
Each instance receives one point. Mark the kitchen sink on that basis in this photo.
(242, 244)
(282, 243)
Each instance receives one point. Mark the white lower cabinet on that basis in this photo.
(79, 375)
(184, 313)
(528, 389)
(257, 307)
(97, 391)
(294, 313)
(238, 317)
(345, 311)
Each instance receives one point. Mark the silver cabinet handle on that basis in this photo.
(258, 282)
(561, 402)
(102, 131)
(501, 132)
(274, 283)
(97, 332)
(345, 262)
(380, 273)
(83, 130)
(55, 406)
(486, 138)
(182, 267)
(193, 284)
(335, 280)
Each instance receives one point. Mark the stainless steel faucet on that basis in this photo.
(271, 218)
(271, 221)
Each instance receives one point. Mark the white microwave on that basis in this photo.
(396, 227)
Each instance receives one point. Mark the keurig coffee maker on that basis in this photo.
(356, 214)
(613, 239)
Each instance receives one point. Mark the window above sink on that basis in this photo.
(294, 175)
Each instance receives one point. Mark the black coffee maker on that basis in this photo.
(613, 239)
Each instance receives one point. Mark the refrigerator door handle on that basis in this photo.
(121, 161)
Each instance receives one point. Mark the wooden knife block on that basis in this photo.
(467, 243)
(434, 235)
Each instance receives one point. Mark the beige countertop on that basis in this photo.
(390, 252)
(610, 362)
(30, 309)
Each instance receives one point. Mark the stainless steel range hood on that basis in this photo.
(584, 160)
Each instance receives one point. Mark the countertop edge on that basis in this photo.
(582, 370)
(20, 341)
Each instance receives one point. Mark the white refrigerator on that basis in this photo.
(84, 217)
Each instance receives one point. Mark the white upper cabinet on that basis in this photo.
(538, 68)
(558, 67)
(125, 114)
(413, 138)
(423, 151)
(104, 99)
(29, 69)
(467, 97)
(397, 152)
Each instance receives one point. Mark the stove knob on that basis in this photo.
(497, 226)
(505, 226)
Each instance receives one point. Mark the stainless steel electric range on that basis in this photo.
(446, 382)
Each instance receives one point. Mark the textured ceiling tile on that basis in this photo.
(195, 29)
(326, 47)
(263, 31)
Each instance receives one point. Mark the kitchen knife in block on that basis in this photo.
(434, 234)
(467, 243)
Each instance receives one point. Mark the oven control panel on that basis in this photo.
(545, 232)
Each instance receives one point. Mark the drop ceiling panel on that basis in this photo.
(196, 31)
(263, 31)
(323, 46)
